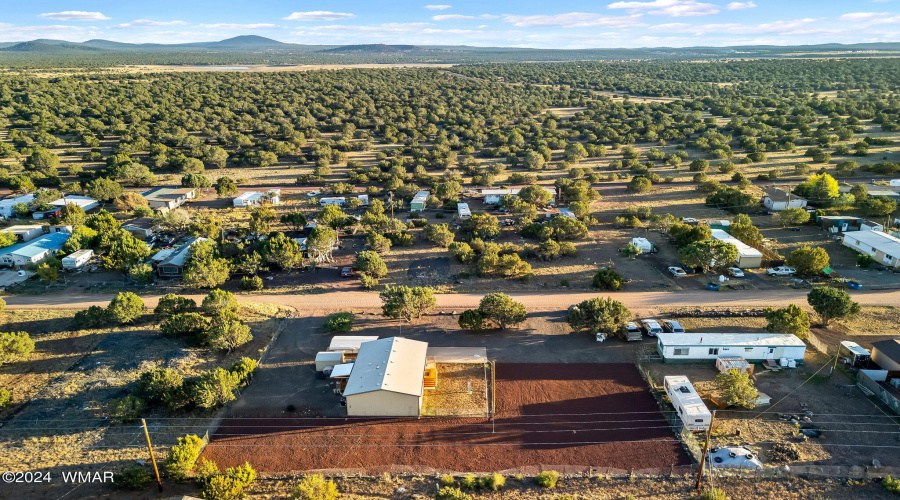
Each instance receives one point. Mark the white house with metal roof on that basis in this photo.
(753, 347)
(33, 252)
(884, 247)
(387, 379)
(748, 257)
(7, 206)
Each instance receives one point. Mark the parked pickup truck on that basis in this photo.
(633, 332)
(781, 271)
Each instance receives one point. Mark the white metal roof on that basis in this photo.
(730, 339)
(80, 253)
(744, 250)
(855, 348)
(341, 370)
(349, 342)
(500, 191)
(393, 364)
(421, 196)
(249, 195)
(877, 240)
(682, 389)
(460, 355)
(463, 209)
(81, 201)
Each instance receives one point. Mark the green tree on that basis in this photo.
(709, 253)
(47, 273)
(370, 263)
(565, 228)
(791, 319)
(860, 193)
(747, 233)
(832, 303)
(334, 217)
(685, 234)
(171, 304)
(14, 346)
(439, 234)
(126, 251)
(294, 219)
(809, 261)
(192, 180)
(378, 243)
(819, 188)
(218, 301)
(640, 184)
(225, 187)
(204, 267)
(161, 386)
(484, 226)
(793, 217)
(471, 319)
(315, 487)
(538, 196)
(104, 189)
(502, 310)
(82, 237)
(7, 239)
(408, 303)
(609, 280)
(599, 316)
(283, 251)
(183, 456)
(880, 206)
(215, 388)
(227, 332)
(260, 217)
(736, 389)
(341, 322)
(125, 307)
(108, 229)
(72, 215)
(189, 326)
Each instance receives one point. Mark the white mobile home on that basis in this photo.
(388, 379)
(691, 410)
(884, 247)
(248, 199)
(418, 202)
(333, 200)
(87, 204)
(778, 200)
(753, 347)
(7, 206)
(77, 259)
(462, 211)
(748, 257)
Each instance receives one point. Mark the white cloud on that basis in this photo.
(24, 33)
(460, 17)
(863, 16)
(238, 26)
(670, 8)
(792, 27)
(145, 23)
(438, 7)
(74, 15)
(574, 20)
(319, 15)
(741, 5)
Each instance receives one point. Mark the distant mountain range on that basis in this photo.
(261, 50)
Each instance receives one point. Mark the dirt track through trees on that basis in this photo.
(585, 414)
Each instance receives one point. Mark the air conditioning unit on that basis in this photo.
(895, 383)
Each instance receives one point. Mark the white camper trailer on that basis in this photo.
(691, 410)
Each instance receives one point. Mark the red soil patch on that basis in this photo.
(598, 415)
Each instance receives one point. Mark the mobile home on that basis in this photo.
(884, 247)
(418, 202)
(754, 347)
(691, 410)
(333, 200)
(748, 257)
(77, 259)
(462, 211)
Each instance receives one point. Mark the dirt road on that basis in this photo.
(643, 302)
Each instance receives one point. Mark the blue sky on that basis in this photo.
(525, 23)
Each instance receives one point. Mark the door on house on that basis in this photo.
(771, 353)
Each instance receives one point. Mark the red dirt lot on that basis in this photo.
(591, 415)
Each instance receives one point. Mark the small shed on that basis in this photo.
(77, 259)
(727, 363)
(388, 379)
(26, 232)
(364, 199)
(753, 347)
(418, 202)
(140, 227)
(462, 211)
(839, 223)
(248, 199)
(748, 257)
(643, 244)
(886, 354)
(349, 344)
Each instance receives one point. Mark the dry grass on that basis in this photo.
(453, 396)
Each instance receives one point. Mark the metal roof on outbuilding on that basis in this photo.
(349, 342)
(393, 364)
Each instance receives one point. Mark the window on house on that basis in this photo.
(698, 420)
(713, 351)
(748, 349)
(682, 351)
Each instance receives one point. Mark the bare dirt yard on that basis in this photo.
(588, 415)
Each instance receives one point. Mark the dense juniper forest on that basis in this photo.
(447, 129)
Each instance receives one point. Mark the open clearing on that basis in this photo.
(583, 414)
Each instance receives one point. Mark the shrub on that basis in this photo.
(607, 279)
(92, 317)
(469, 482)
(141, 274)
(864, 260)
(135, 477)
(315, 487)
(243, 369)
(401, 239)
(493, 482)
(14, 346)
(161, 386)
(713, 494)
(215, 388)
(547, 479)
(890, 484)
(339, 322)
(447, 480)
(190, 326)
(182, 457)
(2, 304)
(223, 487)
(5, 398)
(126, 409)
(368, 282)
(125, 308)
(448, 493)
(171, 304)
(471, 319)
(251, 283)
(219, 300)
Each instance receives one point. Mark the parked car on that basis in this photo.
(651, 327)
(781, 271)
(346, 272)
(677, 271)
(736, 272)
(633, 332)
(713, 286)
(854, 285)
(672, 326)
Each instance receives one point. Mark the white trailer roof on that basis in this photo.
(393, 364)
(682, 389)
(249, 195)
(855, 348)
(730, 339)
(341, 370)
(878, 240)
(744, 250)
(349, 342)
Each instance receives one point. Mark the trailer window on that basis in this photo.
(681, 351)
(713, 351)
(748, 349)
(698, 420)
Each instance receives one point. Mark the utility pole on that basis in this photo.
(152, 457)
(705, 450)
(392, 203)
